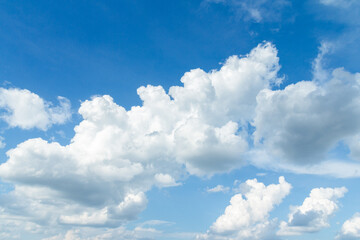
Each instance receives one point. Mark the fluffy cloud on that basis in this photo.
(202, 128)
(100, 178)
(350, 230)
(247, 215)
(313, 215)
(27, 110)
(302, 122)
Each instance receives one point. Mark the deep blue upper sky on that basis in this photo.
(113, 47)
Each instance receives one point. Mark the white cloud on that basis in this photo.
(302, 122)
(296, 127)
(247, 215)
(350, 230)
(313, 215)
(100, 178)
(165, 180)
(218, 188)
(320, 73)
(27, 110)
(115, 156)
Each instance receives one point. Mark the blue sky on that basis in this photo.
(211, 119)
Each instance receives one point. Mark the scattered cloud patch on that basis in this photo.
(261, 174)
(121, 233)
(2, 143)
(257, 11)
(155, 223)
(320, 73)
(338, 3)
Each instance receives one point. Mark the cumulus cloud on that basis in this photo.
(247, 216)
(100, 178)
(258, 11)
(201, 128)
(313, 215)
(350, 230)
(27, 110)
(296, 127)
(302, 122)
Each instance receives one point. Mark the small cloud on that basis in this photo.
(61, 133)
(27, 110)
(218, 188)
(2, 143)
(261, 174)
(155, 223)
(319, 72)
(165, 180)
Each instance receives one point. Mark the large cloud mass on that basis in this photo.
(202, 128)
(100, 178)
(302, 122)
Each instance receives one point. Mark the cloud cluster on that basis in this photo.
(247, 216)
(27, 110)
(313, 215)
(115, 156)
(201, 128)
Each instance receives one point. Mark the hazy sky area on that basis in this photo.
(180, 120)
